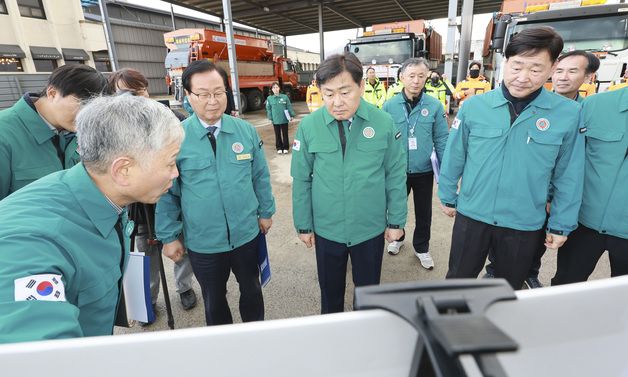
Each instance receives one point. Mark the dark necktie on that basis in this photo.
(60, 154)
(343, 138)
(212, 138)
(121, 318)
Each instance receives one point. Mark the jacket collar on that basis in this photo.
(33, 122)
(227, 125)
(367, 82)
(545, 99)
(91, 199)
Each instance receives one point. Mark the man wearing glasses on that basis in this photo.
(221, 201)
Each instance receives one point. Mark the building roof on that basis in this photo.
(294, 17)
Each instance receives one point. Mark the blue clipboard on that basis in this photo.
(262, 260)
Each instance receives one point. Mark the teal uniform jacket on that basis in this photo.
(605, 199)
(550, 194)
(506, 170)
(59, 229)
(352, 199)
(426, 123)
(219, 198)
(276, 105)
(579, 99)
(26, 149)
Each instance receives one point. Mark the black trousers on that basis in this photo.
(471, 240)
(281, 136)
(536, 263)
(212, 272)
(421, 186)
(584, 247)
(331, 263)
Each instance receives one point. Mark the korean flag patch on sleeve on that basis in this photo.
(455, 124)
(296, 145)
(42, 287)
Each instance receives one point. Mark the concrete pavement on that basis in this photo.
(293, 290)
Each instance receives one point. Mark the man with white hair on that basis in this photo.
(64, 238)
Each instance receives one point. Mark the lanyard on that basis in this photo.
(411, 127)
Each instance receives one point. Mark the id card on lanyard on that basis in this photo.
(412, 141)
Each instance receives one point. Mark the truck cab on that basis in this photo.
(600, 29)
(387, 46)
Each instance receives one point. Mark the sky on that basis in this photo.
(334, 40)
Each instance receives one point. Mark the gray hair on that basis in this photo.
(411, 62)
(137, 127)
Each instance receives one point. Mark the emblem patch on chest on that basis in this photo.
(368, 132)
(542, 124)
(237, 147)
(425, 112)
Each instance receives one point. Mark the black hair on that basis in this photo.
(533, 40)
(475, 63)
(593, 61)
(133, 79)
(336, 64)
(273, 84)
(369, 68)
(198, 66)
(80, 80)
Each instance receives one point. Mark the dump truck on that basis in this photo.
(386, 46)
(592, 25)
(258, 66)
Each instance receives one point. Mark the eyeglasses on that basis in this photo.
(207, 96)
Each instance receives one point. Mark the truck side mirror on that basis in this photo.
(499, 33)
(420, 49)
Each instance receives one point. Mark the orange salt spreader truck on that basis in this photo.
(258, 67)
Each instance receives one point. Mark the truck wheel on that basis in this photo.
(244, 104)
(255, 99)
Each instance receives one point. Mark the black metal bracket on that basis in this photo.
(449, 317)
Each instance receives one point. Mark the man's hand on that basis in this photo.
(548, 206)
(451, 212)
(393, 234)
(264, 225)
(469, 92)
(307, 239)
(554, 241)
(174, 250)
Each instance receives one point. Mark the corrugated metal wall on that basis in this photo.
(12, 87)
(138, 37)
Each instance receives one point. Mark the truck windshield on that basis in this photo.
(399, 51)
(603, 33)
